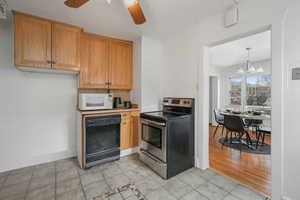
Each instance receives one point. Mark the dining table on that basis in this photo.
(247, 115)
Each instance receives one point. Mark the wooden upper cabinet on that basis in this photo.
(66, 47)
(43, 43)
(32, 41)
(94, 61)
(106, 63)
(121, 67)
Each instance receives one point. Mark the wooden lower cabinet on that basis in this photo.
(135, 124)
(129, 130)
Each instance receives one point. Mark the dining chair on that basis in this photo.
(235, 124)
(220, 121)
(253, 123)
(262, 132)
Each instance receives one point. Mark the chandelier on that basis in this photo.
(250, 69)
(3, 9)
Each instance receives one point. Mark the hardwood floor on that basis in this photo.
(249, 169)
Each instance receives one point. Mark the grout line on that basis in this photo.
(5, 179)
(55, 173)
(28, 186)
(82, 188)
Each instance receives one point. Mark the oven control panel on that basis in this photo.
(179, 102)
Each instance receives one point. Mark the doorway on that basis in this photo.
(240, 88)
(213, 96)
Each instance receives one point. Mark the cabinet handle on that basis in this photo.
(49, 61)
(53, 62)
(107, 83)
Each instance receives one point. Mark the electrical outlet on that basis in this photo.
(296, 73)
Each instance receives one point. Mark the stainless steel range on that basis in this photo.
(168, 137)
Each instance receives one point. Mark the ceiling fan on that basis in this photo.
(133, 6)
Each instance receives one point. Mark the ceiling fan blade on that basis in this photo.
(137, 13)
(75, 3)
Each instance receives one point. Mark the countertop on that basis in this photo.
(115, 110)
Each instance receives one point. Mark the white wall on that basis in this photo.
(292, 108)
(136, 92)
(151, 68)
(37, 111)
(185, 53)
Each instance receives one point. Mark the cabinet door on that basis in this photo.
(32, 41)
(66, 47)
(126, 132)
(135, 123)
(94, 62)
(121, 64)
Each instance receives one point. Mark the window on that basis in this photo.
(235, 97)
(258, 90)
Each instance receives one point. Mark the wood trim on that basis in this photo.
(107, 37)
(15, 12)
(81, 153)
(108, 112)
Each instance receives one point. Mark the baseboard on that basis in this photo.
(56, 156)
(40, 160)
(130, 151)
(200, 165)
(197, 163)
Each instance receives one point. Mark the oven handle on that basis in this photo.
(145, 121)
(149, 155)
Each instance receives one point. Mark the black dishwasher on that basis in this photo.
(102, 139)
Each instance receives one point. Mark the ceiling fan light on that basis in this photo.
(108, 1)
(136, 11)
(130, 3)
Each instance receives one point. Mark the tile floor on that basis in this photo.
(63, 180)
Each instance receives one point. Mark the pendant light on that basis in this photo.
(3, 9)
(249, 67)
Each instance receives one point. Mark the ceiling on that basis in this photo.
(164, 17)
(233, 53)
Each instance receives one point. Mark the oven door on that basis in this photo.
(154, 138)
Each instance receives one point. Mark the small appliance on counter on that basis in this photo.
(118, 102)
(95, 101)
(127, 104)
(168, 137)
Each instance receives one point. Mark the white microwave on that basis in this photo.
(95, 101)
